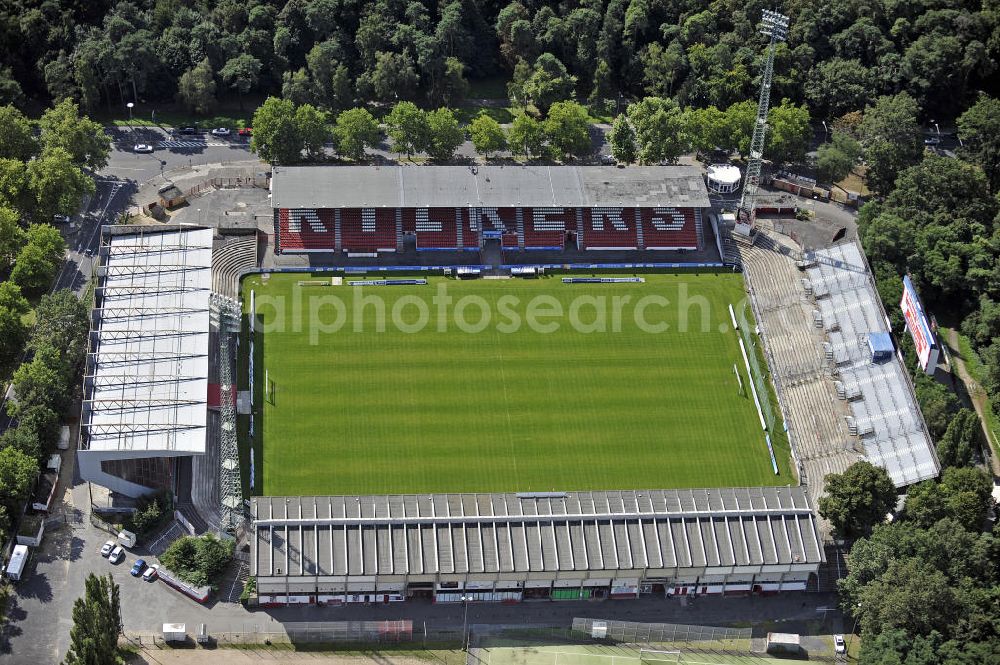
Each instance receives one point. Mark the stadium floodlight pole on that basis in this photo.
(775, 26)
(465, 623)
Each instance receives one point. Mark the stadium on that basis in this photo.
(496, 384)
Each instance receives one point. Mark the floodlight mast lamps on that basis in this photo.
(775, 26)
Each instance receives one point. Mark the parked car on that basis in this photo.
(117, 554)
(107, 547)
(143, 148)
(61, 219)
(932, 140)
(608, 160)
(838, 644)
(138, 567)
(246, 131)
(150, 573)
(221, 131)
(189, 130)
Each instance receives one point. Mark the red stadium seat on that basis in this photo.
(669, 228)
(609, 228)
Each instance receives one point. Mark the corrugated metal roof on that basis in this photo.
(888, 418)
(494, 533)
(486, 186)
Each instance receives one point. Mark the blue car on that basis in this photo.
(140, 565)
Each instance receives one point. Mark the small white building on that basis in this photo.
(723, 178)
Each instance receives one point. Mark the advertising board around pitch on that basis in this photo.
(919, 326)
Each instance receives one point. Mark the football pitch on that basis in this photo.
(501, 385)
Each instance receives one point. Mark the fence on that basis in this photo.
(248, 179)
(657, 633)
(372, 633)
(757, 374)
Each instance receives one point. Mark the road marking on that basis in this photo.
(197, 144)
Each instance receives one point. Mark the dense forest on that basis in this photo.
(840, 54)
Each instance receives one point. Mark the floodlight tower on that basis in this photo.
(775, 26)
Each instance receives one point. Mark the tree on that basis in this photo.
(11, 238)
(57, 185)
(355, 130)
(891, 138)
(43, 380)
(857, 499)
(198, 560)
(38, 427)
(13, 331)
(487, 135)
(63, 322)
(196, 88)
(979, 129)
(659, 129)
(604, 90)
(910, 595)
(84, 140)
(313, 128)
(837, 86)
(276, 137)
(444, 134)
(568, 129)
(408, 128)
(241, 73)
(297, 86)
(788, 132)
(97, 622)
(549, 82)
(453, 86)
(961, 441)
(661, 66)
(36, 263)
(17, 476)
(623, 141)
(835, 160)
(392, 77)
(17, 141)
(14, 193)
(526, 136)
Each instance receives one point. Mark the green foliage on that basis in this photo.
(857, 499)
(84, 140)
(14, 193)
(548, 83)
(196, 88)
(199, 561)
(568, 129)
(276, 137)
(18, 471)
(962, 440)
(17, 141)
(62, 322)
(487, 135)
(526, 136)
(408, 128)
(313, 129)
(43, 380)
(38, 260)
(150, 514)
(242, 72)
(963, 494)
(13, 331)
(891, 138)
(788, 133)
(97, 622)
(979, 129)
(56, 184)
(444, 135)
(659, 129)
(835, 160)
(355, 130)
(622, 138)
(394, 76)
(838, 86)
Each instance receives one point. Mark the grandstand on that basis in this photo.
(371, 210)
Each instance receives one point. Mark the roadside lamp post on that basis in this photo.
(465, 623)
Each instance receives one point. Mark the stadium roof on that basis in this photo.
(486, 186)
(147, 374)
(889, 421)
(532, 533)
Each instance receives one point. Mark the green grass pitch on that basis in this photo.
(508, 407)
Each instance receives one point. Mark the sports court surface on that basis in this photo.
(425, 404)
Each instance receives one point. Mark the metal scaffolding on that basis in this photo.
(775, 26)
(230, 480)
